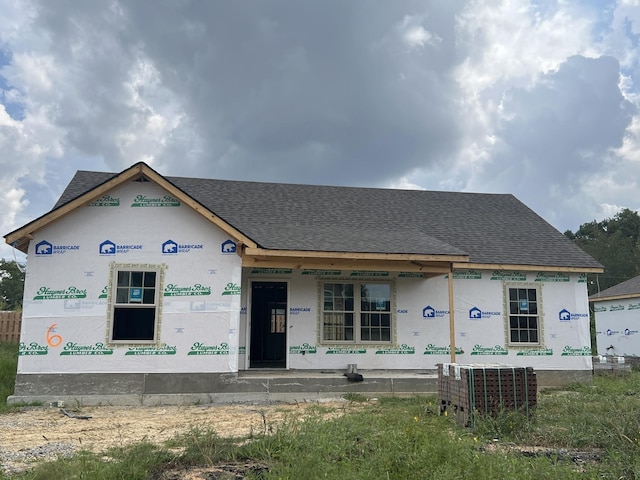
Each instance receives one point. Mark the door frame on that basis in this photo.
(249, 323)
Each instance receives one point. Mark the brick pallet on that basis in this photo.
(467, 390)
(610, 364)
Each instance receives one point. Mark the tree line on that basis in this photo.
(614, 242)
(11, 285)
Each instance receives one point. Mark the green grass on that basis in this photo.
(395, 439)
(8, 366)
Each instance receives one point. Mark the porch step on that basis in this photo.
(335, 383)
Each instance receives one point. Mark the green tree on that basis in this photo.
(11, 285)
(615, 243)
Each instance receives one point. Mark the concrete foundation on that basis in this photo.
(248, 386)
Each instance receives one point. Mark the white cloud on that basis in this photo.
(404, 184)
(520, 97)
(414, 34)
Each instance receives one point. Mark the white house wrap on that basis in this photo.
(139, 284)
(617, 313)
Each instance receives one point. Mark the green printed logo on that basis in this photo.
(106, 201)
(104, 292)
(634, 306)
(362, 273)
(34, 348)
(467, 275)
(231, 289)
(96, 349)
(569, 351)
(303, 349)
(346, 351)
(535, 352)
(551, 277)
(582, 278)
(172, 290)
(272, 271)
(616, 308)
(321, 272)
(154, 350)
(403, 349)
(600, 309)
(165, 201)
(46, 293)
(242, 349)
(202, 349)
(480, 350)
(508, 276)
(433, 349)
(410, 275)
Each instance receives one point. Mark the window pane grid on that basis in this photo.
(523, 316)
(134, 315)
(340, 313)
(136, 287)
(375, 327)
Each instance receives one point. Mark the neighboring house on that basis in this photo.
(617, 315)
(146, 287)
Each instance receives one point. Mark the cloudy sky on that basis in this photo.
(537, 98)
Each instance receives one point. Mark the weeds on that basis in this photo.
(506, 423)
(355, 397)
(396, 438)
(204, 447)
(8, 367)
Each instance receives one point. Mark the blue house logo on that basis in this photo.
(44, 248)
(475, 313)
(428, 312)
(107, 248)
(169, 247)
(564, 315)
(228, 247)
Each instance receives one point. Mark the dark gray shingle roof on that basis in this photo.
(628, 287)
(490, 228)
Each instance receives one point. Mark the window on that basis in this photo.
(356, 312)
(524, 321)
(278, 318)
(135, 296)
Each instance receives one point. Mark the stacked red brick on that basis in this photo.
(467, 390)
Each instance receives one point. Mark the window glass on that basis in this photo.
(149, 279)
(134, 307)
(369, 322)
(149, 296)
(136, 279)
(523, 316)
(123, 279)
(133, 324)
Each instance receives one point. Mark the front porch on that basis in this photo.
(304, 385)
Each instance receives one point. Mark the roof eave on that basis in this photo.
(595, 298)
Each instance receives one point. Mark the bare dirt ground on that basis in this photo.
(45, 433)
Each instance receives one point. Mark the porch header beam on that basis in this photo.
(529, 268)
(428, 270)
(407, 257)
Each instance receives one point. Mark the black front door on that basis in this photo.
(268, 325)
